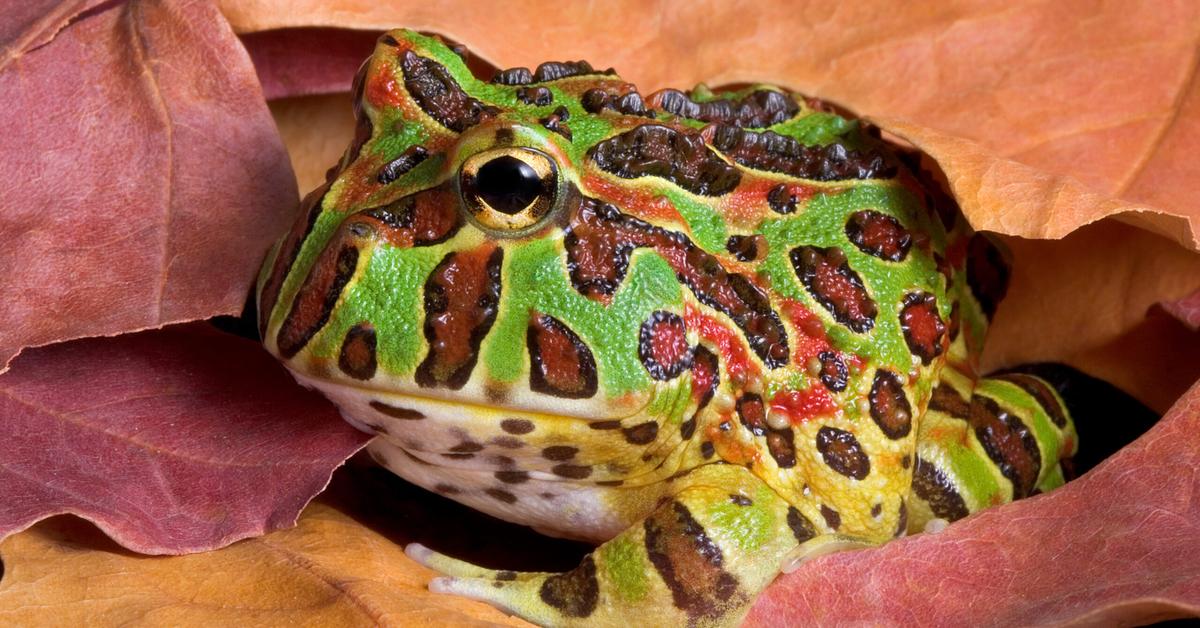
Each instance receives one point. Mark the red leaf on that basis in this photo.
(1117, 545)
(173, 441)
(141, 172)
(308, 61)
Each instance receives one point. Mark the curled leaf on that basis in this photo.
(173, 441)
(141, 174)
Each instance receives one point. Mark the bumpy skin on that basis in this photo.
(729, 331)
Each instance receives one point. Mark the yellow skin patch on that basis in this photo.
(716, 333)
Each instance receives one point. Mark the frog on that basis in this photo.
(714, 332)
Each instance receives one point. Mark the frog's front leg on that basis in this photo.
(699, 558)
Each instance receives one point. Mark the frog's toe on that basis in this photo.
(453, 567)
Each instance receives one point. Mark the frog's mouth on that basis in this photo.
(361, 400)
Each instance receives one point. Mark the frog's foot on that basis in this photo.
(699, 558)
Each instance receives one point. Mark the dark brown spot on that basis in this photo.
(425, 218)
(760, 108)
(801, 527)
(439, 95)
(466, 447)
(831, 516)
(513, 76)
(987, 273)
(502, 461)
(535, 96)
(398, 167)
(901, 520)
(357, 357)
(517, 426)
(600, 240)
(741, 500)
(512, 477)
(318, 296)
(556, 122)
(752, 413)
(555, 70)
(770, 151)
(610, 483)
(889, 407)
(558, 453)
(834, 373)
(827, 275)
(781, 200)
(500, 494)
(747, 248)
(561, 364)
(459, 456)
(690, 564)
(687, 429)
(781, 445)
(878, 235)
(462, 296)
(924, 331)
(641, 434)
(1041, 392)
(605, 425)
(841, 451)
(653, 150)
(947, 400)
(707, 450)
(508, 442)
(876, 510)
(937, 489)
(310, 208)
(574, 593)
(1008, 442)
(397, 412)
(663, 347)
(506, 576)
(572, 471)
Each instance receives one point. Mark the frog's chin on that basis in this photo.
(364, 405)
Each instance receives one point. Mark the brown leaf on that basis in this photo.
(141, 175)
(328, 571)
(1116, 546)
(172, 441)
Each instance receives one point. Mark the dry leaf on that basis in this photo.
(136, 152)
(173, 441)
(328, 571)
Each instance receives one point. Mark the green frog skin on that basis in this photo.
(714, 332)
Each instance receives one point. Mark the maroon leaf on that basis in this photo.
(142, 175)
(1119, 544)
(308, 61)
(172, 441)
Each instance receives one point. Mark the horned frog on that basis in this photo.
(714, 332)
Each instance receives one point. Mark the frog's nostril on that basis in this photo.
(508, 184)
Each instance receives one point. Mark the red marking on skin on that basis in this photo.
(669, 344)
(642, 203)
(747, 204)
(704, 379)
(728, 343)
(804, 405)
(854, 362)
(811, 338)
(383, 91)
(956, 253)
(729, 448)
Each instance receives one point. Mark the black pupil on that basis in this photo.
(507, 184)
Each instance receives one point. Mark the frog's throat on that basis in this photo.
(341, 392)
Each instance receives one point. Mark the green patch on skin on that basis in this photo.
(671, 400)
(624, 568)
(749, 527)
(397, 315)
(821, 222)
(819, 129)
(535, 279)
(975, 475)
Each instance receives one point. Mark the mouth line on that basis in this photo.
(383, 394)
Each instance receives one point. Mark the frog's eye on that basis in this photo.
(508, 190)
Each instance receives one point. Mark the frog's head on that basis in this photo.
(544, 241)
